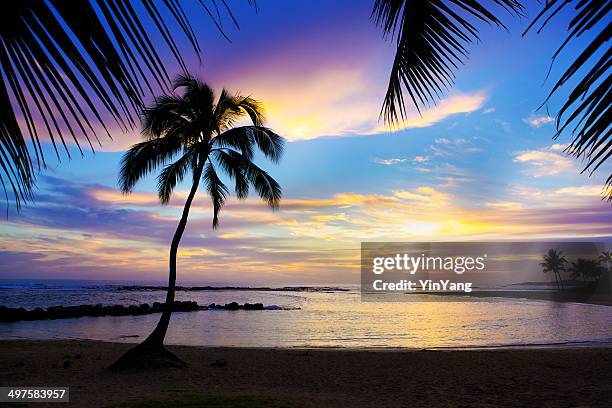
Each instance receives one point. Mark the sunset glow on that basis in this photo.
(480, 164)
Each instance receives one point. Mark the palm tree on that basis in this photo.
(585, 269)
(73, 68)
(431, 38)
(198, 129)
(554, 261)
(605, 258)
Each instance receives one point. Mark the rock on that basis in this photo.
(254, 306)
(8, 314)
(216, 306)
(77, 356)
(20, 364)
(67, 364)
(37, 314)
(186, 306)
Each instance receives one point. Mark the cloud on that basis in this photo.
(91, 231)
(334, 101)
(424, 194)
(537, 121)
(488, 110)
(389, 162)
(339, 101)
(544, 162)
(420, 159)
(452, 105)
(505, 125)
(453, 147)
(505, 205)
(588, 191)
(558, 147)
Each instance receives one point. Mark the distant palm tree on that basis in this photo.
(71, 65)
(587, 269)
(605, 258)
(197, 127)
(554, 261)
(431, 38)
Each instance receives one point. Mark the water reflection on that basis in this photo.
(342, 320)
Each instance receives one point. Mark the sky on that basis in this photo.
(479, 165)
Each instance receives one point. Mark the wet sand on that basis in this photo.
(536, 377)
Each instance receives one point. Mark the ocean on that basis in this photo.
(319, 318)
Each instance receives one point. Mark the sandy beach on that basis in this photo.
(240, 377)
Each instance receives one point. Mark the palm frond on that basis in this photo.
(231, 107)
(271, 144)
(234, 168)
(587, 108)
(171, 175)
(216, 189)
(431, 37)
(167, 112)
(69, 65)
(198, 96)
(267, 188)
(244, 138)
(144, 158)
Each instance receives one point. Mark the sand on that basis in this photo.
(545, 377)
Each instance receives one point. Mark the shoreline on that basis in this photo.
(319, 377)
(570, 345)
(550, 296)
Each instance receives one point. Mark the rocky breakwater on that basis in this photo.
(10, 314)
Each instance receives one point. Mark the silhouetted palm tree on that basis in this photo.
(197, 127)
(71, 66)
(605, 259)
(585, 269)
(432, 35)
(554, 261)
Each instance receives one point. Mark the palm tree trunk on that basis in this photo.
(156, 338)
(557, 280)
(151, 352)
